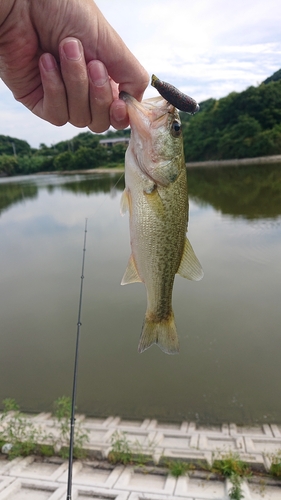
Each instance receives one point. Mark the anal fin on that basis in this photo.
(190, 266)
(131, 274)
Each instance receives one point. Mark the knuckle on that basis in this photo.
(98, 128)
(80, 123)
(58, 121)
(55, 116)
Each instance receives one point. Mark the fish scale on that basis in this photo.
(156, 197)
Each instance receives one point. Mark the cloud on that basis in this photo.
(207, 49)
(17, 121)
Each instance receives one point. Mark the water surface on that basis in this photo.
(229, 365)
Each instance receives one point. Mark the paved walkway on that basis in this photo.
(34, 478)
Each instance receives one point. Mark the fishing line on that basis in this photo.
(74, 389)
(122, 175)
(111, 190)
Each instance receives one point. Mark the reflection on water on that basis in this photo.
(229, 324)
(252, 191)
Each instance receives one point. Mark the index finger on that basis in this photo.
(122, 66)
(130, 75)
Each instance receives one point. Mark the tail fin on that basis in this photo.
(162, 333)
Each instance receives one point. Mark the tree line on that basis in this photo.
(82, 152)
(240, 125)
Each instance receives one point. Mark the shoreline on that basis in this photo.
(235, 162)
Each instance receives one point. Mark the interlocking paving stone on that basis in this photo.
(41, 479)
(198, 488)
(21, 489)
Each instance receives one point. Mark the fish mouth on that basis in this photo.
(149, 121)
(149, 113)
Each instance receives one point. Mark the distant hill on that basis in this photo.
(11, 145)
(273, 78)
(241, 125)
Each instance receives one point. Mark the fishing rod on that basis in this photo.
(74, 388)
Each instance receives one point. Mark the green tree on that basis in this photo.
(8, 165)
(101, 155)
(11, 145)
(64, 161)
(85, 139)
(117, 152)
(273, 78)
(244, 124)
(237, 140)
(84, 158)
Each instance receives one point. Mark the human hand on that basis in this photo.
(65, 63)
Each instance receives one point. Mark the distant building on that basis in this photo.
(108, 143)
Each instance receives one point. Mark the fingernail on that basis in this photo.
(48, 62)
(98, 73)
(72, 50)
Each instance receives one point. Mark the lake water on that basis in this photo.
(229, 324)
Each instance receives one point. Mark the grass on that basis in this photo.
(178, 468)
(15, 429)
(229, 466)
(233, 468)
(26, 439)
(62, 412)
(124, 452)
(121, 451)
(275, 467)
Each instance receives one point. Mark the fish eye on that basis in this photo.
(176, 128)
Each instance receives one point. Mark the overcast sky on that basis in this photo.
(207, 48)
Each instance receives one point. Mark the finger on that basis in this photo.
(135, 88)
(118, 114)
(121, 64)
(52, 103)
(119, 117)
(75, 77)
(114, 89)
(101, 96)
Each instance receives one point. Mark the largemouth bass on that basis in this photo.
(156, 197)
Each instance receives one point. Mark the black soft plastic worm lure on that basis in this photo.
(178, 99)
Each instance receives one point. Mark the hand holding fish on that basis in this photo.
(65, 63)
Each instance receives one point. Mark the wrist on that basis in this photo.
(6, 7)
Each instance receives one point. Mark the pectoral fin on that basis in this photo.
(155, 202)
(190, 266)
(131, 274)
(125, 202)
